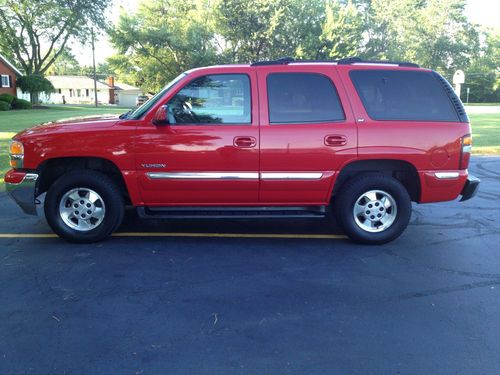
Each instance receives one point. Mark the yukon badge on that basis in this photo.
(153, 165)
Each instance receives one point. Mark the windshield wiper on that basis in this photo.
(124, 116)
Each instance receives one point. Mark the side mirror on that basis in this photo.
(161, 116)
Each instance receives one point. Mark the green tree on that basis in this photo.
(483, 75)
(164, 38)
(252, 30)
(167, 37)
(34, 84)
(342, 31)
(433, 33)
(35, 33)
(65, 64)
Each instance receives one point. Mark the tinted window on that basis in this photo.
(403, 95)
(302, 97)
(214, 99)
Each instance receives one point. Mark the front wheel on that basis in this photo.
(84, 206)
(373, 208)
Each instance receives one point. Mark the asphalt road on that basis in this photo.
(428, 302)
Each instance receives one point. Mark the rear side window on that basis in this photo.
(403, 95)
(302, 98)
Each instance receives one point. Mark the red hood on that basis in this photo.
(70, 125)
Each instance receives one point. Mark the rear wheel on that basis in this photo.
(84, 206)
(373, 208)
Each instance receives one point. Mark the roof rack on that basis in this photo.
(357, 60)
(345, 61)
(281, 61)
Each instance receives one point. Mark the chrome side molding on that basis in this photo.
(235, 175)
(204, 175)
(291, 175)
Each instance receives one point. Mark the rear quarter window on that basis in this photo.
(403, 95)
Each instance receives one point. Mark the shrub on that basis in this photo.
(7, 98)
(21, 104)
(4, 106)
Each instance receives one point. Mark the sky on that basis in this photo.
(483, 12)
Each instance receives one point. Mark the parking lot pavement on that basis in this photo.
(428, 302)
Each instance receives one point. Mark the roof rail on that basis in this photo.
(345, 61)
(281, 61)
(357, 60)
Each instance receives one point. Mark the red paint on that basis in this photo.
(14, 177)
(132, 145)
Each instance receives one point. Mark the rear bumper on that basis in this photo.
(21, 188)
(470, 188)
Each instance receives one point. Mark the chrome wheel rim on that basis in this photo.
(375, 211)
(82, 209)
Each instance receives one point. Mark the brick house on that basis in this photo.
(8, 74)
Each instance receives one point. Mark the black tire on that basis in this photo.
(354, 189)
(104, 186)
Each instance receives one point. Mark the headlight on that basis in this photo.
(16, 153)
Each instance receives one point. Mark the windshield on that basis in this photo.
(136, 113)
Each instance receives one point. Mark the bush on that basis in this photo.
(4, 106)
(21, 104)
(7, 98)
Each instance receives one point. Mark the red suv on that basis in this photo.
(272, 139)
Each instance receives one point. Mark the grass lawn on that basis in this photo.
(15, 121)
(485, 133)
(485, 126)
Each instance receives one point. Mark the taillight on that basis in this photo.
(465, 152)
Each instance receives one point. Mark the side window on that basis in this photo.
(213, 99)
(302, 98)
(403, 95)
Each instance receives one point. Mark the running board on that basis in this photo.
(231, 212)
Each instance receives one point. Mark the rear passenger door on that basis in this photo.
(307, 133)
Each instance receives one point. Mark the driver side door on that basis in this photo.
(208, 154)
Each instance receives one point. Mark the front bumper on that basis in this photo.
(470, 188)
(21, 187)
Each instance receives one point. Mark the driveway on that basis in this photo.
(269, 297)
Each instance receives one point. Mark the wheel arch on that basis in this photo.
(51, 169)
(402, 170)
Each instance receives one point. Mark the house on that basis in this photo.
(80, 90)
(76, 90)
(126, 95)
(8, 74)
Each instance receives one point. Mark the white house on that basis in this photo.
(80, 90)
(126, 95)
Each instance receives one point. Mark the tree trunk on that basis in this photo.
(34, 97)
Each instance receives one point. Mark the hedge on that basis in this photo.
(21, 104)
(4, 106)
(7, 98)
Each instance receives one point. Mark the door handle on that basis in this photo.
(335, 140)
(244, 142)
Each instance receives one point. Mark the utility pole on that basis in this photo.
(93, 62)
